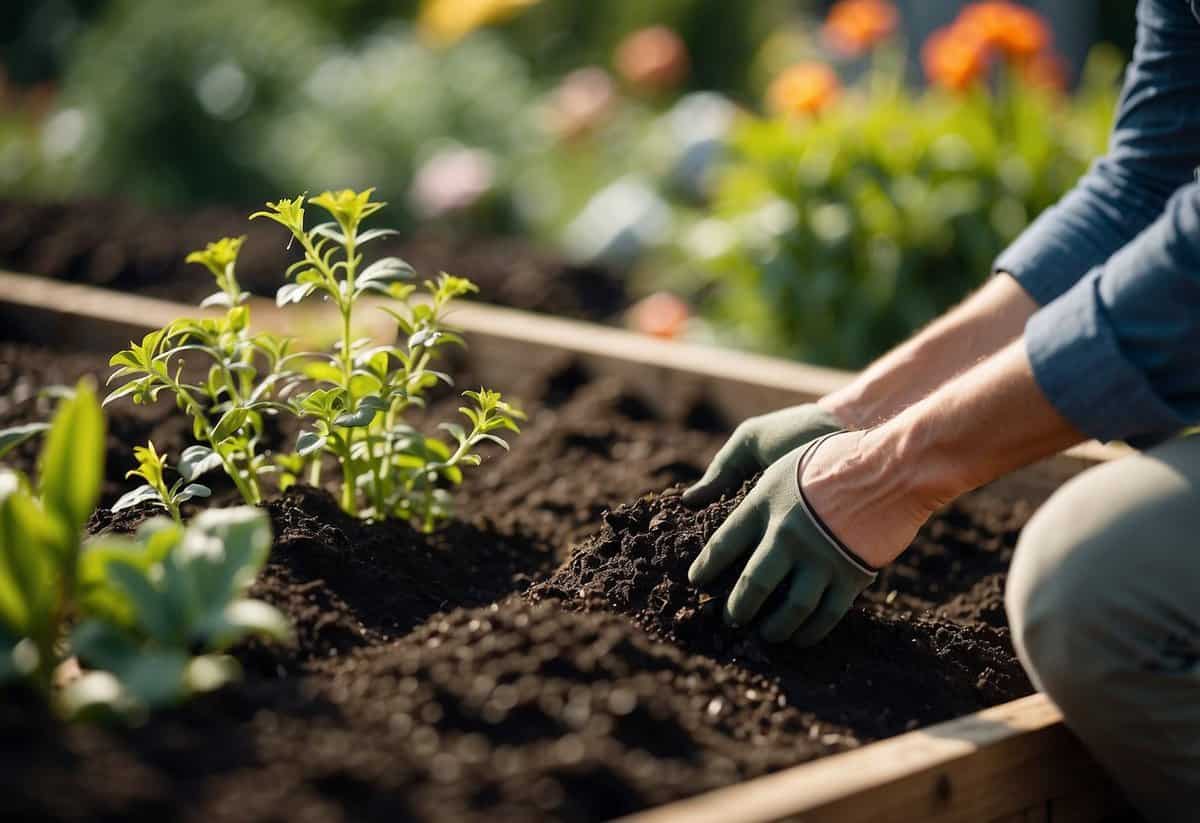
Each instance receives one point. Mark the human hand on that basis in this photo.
(788, 541)
(756, 444)
(795, 521)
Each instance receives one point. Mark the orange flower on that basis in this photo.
(853, 26)
(662, 314)
(653, 59)
(954, 57)
(1018, 32)
(803, 89)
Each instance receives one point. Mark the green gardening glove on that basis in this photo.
(786, 541)
(757, 443)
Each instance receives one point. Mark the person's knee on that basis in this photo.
(1105, 568)
(1062, 619)
(1049, 618)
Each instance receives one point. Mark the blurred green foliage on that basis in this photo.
(832, 239)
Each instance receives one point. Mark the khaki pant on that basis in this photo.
(1104, 603)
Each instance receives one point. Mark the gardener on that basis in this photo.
(1090, 328)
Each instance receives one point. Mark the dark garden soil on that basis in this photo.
(121, 246)
(543, 657)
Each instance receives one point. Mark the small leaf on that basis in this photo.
(12, 437)
(320, 370)
(97, 692)
(156, 676)
(209, 672)
(246, 617)
(356, 419)
(193, 490)
(309, 443)
(422, 337)
(72, 462)
(229, 423)
(197, 460)
(329, 230)
(218, 299)
(386, 270)
(127, 389)
(499, 441)
(151, 608)
(142, 494)
(293, 293)
(372, 234)
(221, 552)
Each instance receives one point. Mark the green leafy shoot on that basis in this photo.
(150, 617)
(160, 610)
(40, 539)
(152, 468)
(356, 396)
(239, 388)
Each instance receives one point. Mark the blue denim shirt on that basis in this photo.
(1115, 264)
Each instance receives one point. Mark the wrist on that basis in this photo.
(858, 488)
(932, 474)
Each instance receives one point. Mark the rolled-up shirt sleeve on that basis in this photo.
(1118, 354)
(1154, 147)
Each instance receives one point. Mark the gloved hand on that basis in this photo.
(757, 443)
(788, 540)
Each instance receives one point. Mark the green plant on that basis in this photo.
(227, 405)
(40, 540)
(159, 609)
(148, 616)
(834, 237)
(152, 468)
(356, 396)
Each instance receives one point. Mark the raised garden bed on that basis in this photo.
(543, 657)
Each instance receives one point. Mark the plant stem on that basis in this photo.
(247, 487)
(348, 476)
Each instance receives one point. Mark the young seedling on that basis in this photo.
(160, 610)
(226, 406)
(152, 614)
(152, 468)
(40, 540)
(356, 396)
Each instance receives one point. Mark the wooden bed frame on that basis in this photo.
(1013, 762)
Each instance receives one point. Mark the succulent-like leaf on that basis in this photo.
(310, 443)
(196, 461)
(199, 490)
(134, 497)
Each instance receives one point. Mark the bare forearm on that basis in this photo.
(876, 487)
(984, 423)
(980, 326)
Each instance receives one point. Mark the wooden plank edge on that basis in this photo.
(1006, 760)
(124, 315)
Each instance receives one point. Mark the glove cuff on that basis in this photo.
(834, 541)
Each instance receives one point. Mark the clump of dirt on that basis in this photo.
(637, 565)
